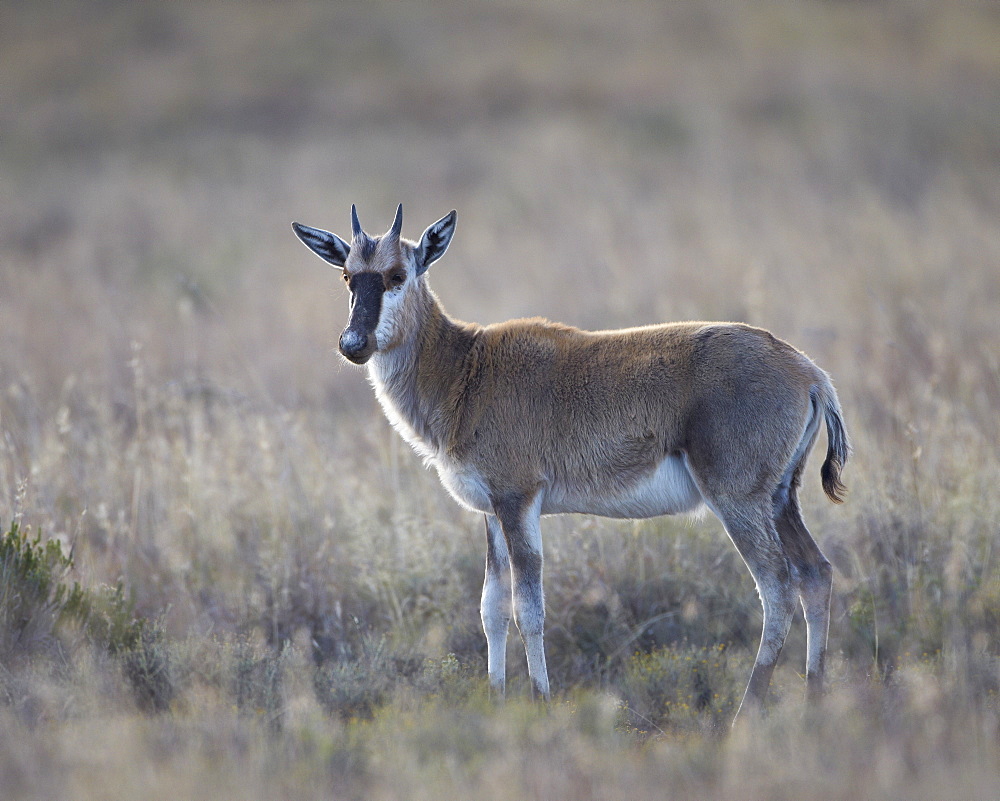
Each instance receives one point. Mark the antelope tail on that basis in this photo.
(838, 448)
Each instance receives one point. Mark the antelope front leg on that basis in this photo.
(495, 606)
(519, 517)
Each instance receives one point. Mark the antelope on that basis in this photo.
(528, 418)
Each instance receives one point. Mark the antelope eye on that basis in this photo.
(397, 279)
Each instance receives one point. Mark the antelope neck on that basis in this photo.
(418, 381)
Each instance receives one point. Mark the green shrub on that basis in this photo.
(38, 602)
(34, 594)
(258, 682)
(146, 664)
(683, 687)
(356, 688)
(110, 620)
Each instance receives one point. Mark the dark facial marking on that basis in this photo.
(357, 342)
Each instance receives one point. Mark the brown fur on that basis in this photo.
(530, 401)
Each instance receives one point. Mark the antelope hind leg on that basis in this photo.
(815, 589)
(756, 539)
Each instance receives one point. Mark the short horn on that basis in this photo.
(397, 225)
(355, 224)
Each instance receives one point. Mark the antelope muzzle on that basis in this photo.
(358, 342)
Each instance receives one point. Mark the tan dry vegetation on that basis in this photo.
(171, 405)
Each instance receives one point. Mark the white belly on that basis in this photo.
(668, 490)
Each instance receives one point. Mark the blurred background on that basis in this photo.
(172, 405)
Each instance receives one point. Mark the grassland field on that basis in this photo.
(275, 599)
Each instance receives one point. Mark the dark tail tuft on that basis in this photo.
(838, 451)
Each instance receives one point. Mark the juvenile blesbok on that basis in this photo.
(528, 417)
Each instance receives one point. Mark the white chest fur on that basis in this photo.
(393, 387)
(466, 485)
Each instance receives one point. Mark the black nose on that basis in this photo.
(354, 345)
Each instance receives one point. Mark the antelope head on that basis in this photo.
(384, 274)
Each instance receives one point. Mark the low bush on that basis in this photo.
(42, 611)
(35, 595)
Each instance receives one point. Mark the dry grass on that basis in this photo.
(171, 406)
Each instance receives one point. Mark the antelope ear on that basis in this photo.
(329, 247)
(435, 242)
